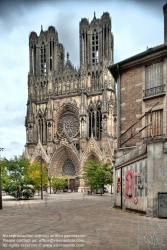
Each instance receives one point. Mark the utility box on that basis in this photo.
(162, 205)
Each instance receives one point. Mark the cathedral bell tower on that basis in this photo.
(70, 112)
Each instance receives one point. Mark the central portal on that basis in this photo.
(72, 184)
(69, 170)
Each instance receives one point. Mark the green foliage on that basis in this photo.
(36, 172)
(14, 179)
(97, 174)
(59, 183)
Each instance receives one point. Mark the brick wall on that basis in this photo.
(131, 103)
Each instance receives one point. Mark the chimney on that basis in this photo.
(165, 23)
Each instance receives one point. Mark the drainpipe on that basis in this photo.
(119, 120)
(118, 103)
(121, 189)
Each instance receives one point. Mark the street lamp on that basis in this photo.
(1, 149)
(50, 180)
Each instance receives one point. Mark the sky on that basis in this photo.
(136, 25)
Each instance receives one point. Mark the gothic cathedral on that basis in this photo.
(71, 112)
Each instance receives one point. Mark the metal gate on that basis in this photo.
(162, 204)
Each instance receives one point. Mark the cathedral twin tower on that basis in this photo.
(71, 112)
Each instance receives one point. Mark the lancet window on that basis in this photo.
(43, 59)
(42, 128)
(95, 121)
(51, 54)
(95, 48)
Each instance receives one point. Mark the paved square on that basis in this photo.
(76, 221)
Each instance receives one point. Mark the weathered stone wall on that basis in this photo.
(150, 162)
(135, 160)
(157, 174)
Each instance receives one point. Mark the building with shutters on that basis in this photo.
(71, 111)
(141, 159)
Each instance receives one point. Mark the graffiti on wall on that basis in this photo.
(140, 181)
(129, 184)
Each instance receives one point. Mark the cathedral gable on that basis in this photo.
(92, 149)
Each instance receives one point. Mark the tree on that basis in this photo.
(59, 183)
(97, 174)
(35, 174)
(14, 179)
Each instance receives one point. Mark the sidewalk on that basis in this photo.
(76, 221)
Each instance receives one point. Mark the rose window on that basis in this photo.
(68, 125)
(68, 168)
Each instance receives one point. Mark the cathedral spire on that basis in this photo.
(67, 56)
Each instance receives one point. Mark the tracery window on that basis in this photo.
(83, 48)
(68, 125)
(33, 58)
(51, 54)
(43, 59)
(95, 48)
(42, 128)
(95, 121)
(68, 168)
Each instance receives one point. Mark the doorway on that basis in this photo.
(72, 184)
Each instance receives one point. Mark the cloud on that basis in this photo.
(135, 25)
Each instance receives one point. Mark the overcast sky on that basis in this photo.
(135, 25)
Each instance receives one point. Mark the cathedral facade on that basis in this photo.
(71, 112)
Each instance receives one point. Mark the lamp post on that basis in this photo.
(1, 149)
(41, 173)
(50, 180)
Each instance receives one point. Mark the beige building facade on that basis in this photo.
(71, 112)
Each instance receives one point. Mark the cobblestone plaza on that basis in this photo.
(77, 221)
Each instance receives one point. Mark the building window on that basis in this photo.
(68, 168)
(95, 48)
(95, 122)
(43, 59)
(51, 54)
(83, 48)
(42, 128)
(154, 120)
(154, 79)
(33, 59)
(135, 168)
(32, 50)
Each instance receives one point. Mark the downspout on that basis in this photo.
(118, 104)
(119, 120)
(121, 188)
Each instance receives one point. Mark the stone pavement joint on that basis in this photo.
(76, 221)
